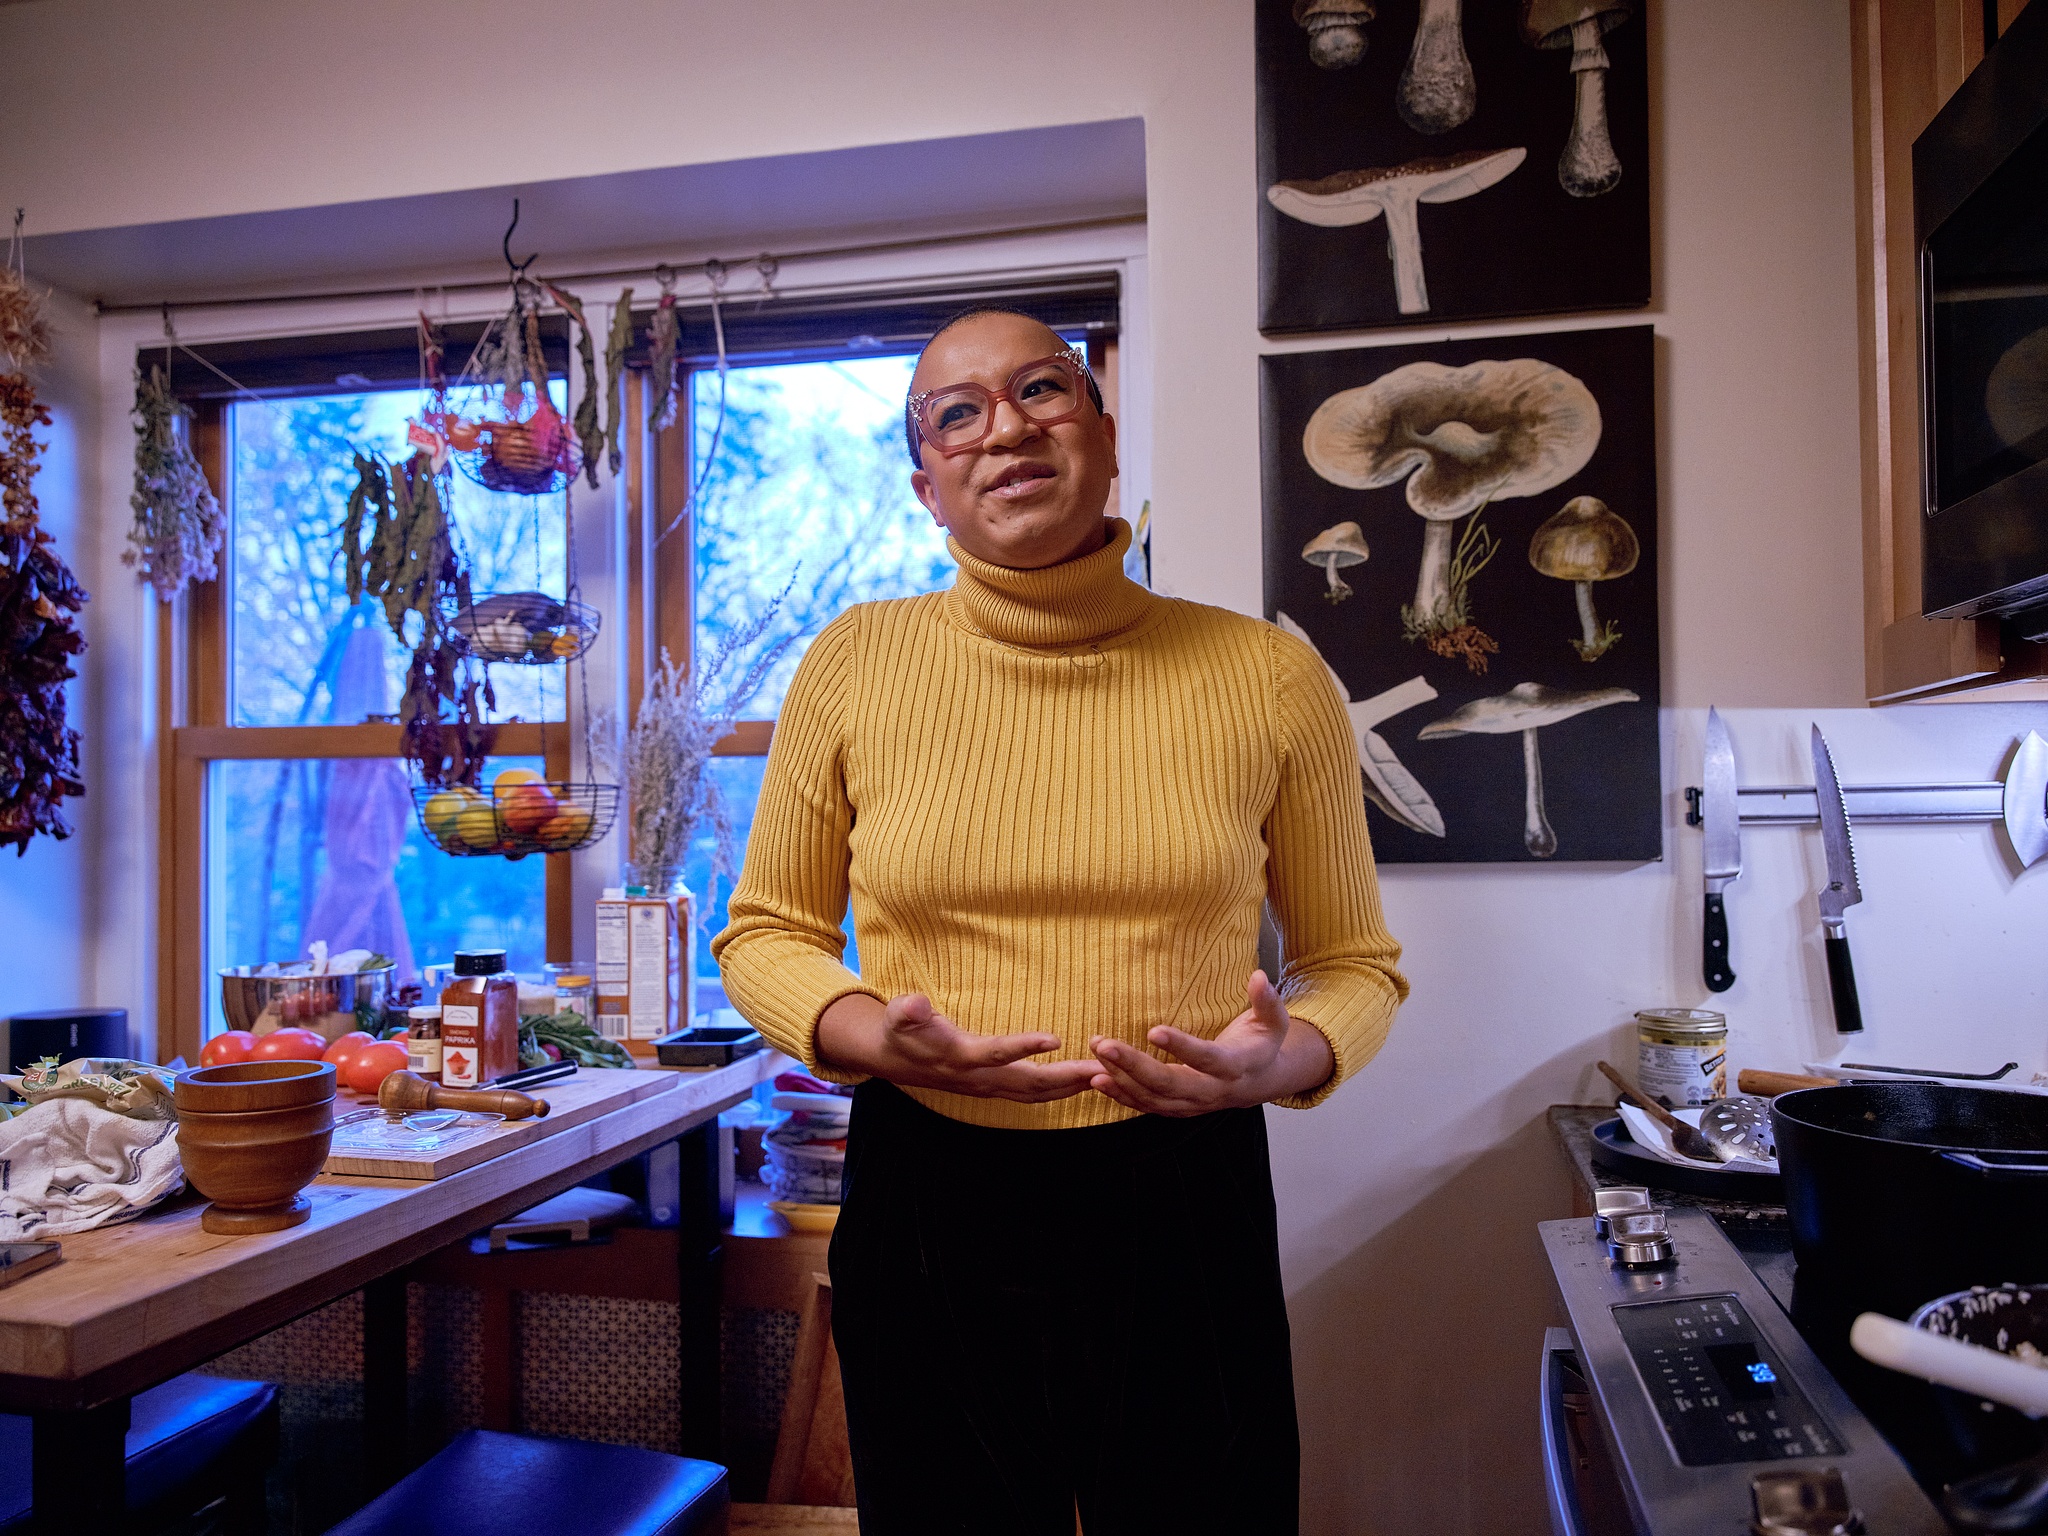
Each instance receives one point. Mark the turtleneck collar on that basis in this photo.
(1067, 604)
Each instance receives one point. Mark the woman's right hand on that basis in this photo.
(913, 1046)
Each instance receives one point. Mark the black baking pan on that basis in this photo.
(707, 1045)
(1616, 1151)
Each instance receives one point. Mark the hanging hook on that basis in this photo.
(767, 266)
(714, 274)
(665, 275)
(517, 268)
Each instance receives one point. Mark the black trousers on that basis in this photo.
(1031, 1321)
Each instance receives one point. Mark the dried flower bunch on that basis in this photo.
(39, 603)
(683, 715)
(178, 522)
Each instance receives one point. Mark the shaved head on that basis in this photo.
(1053, 343)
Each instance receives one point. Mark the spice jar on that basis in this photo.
(423, 1041)
(576, 994)
(1682, 1055)
(479, 1020)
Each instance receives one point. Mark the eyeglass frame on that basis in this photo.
(1073, 361)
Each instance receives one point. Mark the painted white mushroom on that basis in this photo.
(1460, 437)
(1526, 709)
(1437, 91)
(1339, 545)
(1388, 783)
(1584, 542)
(1336, 30)
(1588, 166)
(1359, 197)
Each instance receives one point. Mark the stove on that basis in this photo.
(1684, 1401)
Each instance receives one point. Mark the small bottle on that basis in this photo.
(576, 993)
(423, 1041)
(479, 1020)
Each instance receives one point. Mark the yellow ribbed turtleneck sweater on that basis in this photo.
(1057, 802)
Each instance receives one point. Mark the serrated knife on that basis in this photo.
(1722, 858)
(1842, 891)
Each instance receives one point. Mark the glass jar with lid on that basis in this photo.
(1682, 1055)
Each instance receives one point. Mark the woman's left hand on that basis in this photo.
(1260, 1055)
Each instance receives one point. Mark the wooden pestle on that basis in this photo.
(403, 1092)
(1768, 1085)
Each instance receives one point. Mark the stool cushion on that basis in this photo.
(175, 1432)
(488, 1484)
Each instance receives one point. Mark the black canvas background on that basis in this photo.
(1602, 770)
(1522, 247)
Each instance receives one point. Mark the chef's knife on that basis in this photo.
(1843, 890)
(1722, 857)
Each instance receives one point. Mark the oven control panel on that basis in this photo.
(1720, 1390)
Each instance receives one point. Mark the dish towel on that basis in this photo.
(67, 1165)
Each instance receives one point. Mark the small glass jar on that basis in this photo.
(1682, 1055)
(576, 993)
(423, 1041)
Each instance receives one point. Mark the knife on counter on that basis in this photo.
(1842, 891)
(1722, 858)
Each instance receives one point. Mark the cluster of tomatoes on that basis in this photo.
(361, 1061)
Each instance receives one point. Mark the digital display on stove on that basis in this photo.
(1747, 1377)
(1720, 1394)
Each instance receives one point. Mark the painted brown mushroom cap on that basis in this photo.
(1549, 23)
(1460, 437)
(1524, 707)
(1584, 541)
(1356, 197)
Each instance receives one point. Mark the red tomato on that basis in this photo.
(344, 1050)
(289, 1045)
(372, 1064)
(235, 1045)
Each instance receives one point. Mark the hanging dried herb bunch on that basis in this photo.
(682, 716)
(178, 523)
(409, 565)
(615, 347)
(39, 602)
(23, 334)
(589, 434)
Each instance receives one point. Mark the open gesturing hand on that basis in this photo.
(1260, 1055)
(909, 1043)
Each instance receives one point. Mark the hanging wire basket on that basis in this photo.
(527, 628)
(531, 456)
(538, 816)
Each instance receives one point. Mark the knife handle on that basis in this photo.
(1714, 946)
(1842, 982)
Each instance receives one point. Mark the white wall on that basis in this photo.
(1408, 1201)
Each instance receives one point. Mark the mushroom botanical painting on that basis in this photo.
(1388, 783)
(1459, 438)
(1443, 132)
(1522, 711)
(1336, 30)
(1437, 456)
(1585, 542)
(1333, 549)
(1359, 197)
(1587, 166)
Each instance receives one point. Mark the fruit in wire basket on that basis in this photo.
(511, 778)
(441, 812)
(477, 826)
(525, 808)
(565, 829)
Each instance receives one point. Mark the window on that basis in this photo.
(289, 814)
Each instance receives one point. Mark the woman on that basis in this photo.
(1058, 803)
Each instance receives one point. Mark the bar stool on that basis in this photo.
(486, 1483)
(190, 1441)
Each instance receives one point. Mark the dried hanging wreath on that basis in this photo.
(178, 522)
(39, 597)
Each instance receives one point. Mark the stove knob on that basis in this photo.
(1640, 1241)
(1619, 1200)
(1803, 1502)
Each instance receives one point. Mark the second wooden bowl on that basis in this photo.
(238, 1086)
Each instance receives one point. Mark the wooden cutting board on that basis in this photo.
(591, 1092)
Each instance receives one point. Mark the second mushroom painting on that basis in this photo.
(1431, 160)
(1466, 532)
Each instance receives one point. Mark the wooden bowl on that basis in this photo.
(240, 1086)
(252, 1163)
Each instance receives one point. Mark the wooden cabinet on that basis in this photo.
(1908, 58)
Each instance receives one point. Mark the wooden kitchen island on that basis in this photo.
(133, 1305)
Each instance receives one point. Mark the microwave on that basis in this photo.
(1980, 215)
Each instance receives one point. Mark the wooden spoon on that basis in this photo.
(1768, 1085)
(1688, 1139)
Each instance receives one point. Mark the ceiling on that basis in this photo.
(785, 203)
